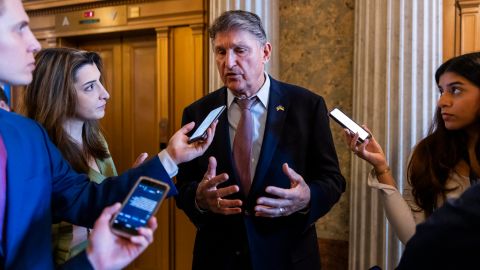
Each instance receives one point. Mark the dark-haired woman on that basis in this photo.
(445, 163)
(67, 97)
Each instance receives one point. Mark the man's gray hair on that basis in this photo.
(238, 20)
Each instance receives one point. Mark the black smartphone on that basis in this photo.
(141, 203)
(348, 123)
(201, 132)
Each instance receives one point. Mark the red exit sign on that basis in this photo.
(88, 14)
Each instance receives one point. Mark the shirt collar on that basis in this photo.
(262, 94)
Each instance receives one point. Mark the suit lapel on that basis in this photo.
(15, 184)
(222, 136)
(277, 111)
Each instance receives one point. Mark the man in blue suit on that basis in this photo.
(37, 186)
(267, 222)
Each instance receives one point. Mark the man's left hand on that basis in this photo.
(287, 201)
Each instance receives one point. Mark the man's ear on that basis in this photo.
(4, 106)
(267, 52)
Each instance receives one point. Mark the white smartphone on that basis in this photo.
(141, 203)
(348, 123)
(201, 132)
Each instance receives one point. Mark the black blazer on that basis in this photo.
(449, 238)
(297, 132)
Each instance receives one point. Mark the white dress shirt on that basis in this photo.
(259, 115)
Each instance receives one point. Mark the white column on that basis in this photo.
(397, 49)
(268, 12)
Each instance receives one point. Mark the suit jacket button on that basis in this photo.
(237, 253)
(247, 213)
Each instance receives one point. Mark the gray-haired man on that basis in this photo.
(274, 150)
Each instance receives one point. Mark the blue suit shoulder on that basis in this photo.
(14, 120)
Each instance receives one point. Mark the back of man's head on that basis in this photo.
(239, 20)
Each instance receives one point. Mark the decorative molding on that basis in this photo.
(397, 49)
(47, 6)
(468, 6)
(198, 29)
(162, 32)
(145, 15)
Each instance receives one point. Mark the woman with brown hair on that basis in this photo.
(67, 97)
(445, 163)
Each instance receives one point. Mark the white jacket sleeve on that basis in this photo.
(401, 212)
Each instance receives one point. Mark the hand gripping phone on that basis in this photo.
(348, 123)
(201, 132)
(141, 203)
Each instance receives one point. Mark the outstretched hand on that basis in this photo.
(209, 197)
(107, 251)
(286, 201)
(181, 151)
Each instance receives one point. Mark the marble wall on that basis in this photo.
(316, 52)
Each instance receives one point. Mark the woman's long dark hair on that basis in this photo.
(51, 99)
(436, 156)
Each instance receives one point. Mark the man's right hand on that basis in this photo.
(107, 250)
(209, 197)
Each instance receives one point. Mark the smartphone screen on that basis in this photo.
(346, 122)
(201, 132)
(142, 202)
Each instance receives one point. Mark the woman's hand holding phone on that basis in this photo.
(369, 150)
(360, 140)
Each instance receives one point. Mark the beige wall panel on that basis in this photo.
(317, 53)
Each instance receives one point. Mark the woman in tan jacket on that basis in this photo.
(445, 163)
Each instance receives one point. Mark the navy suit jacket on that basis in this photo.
(297, 132)
(449, 238)
(42, 188)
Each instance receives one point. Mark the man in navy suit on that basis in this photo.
(268, 223)
(37, 186)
